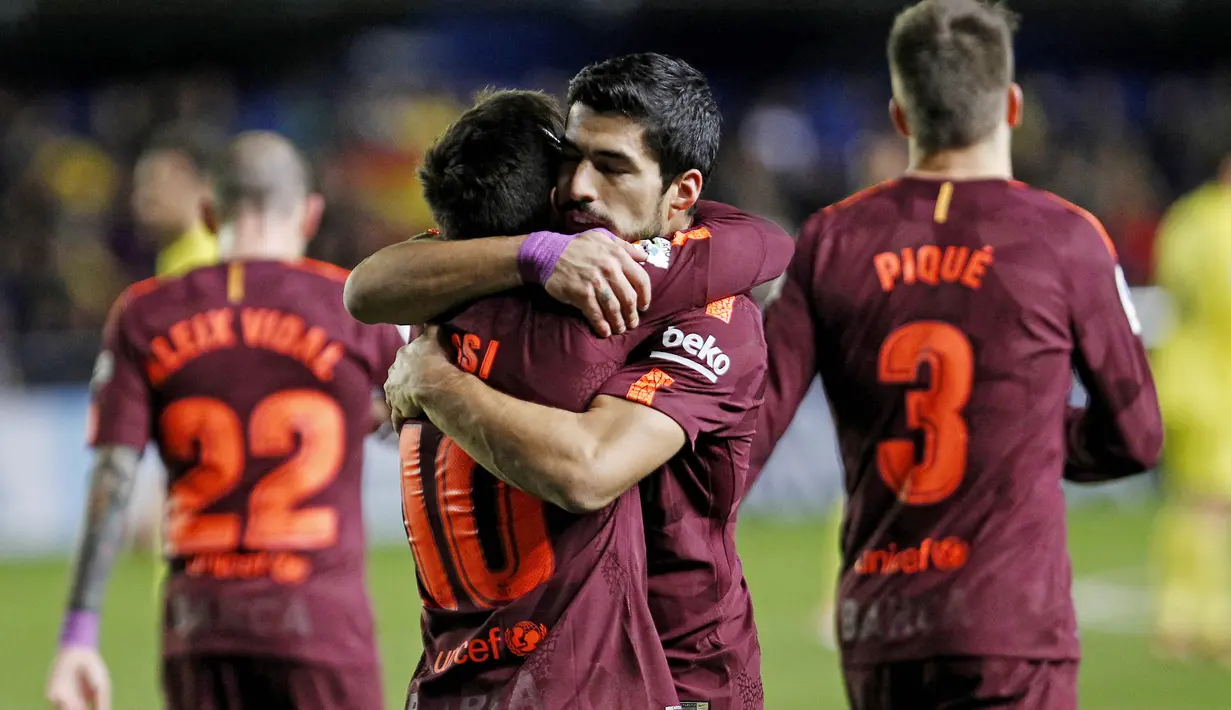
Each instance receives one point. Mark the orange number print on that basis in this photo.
(520, 520)
(528, 559)
(213, 427)
(209, 430)
(936, 411)
(418, 527)
(316, 420)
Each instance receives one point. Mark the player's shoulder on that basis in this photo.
(327, 273)
(161, 290)
(736, 317)
(1070, 227)
(870, 205)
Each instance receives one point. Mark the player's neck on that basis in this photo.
(237, 246)
(984, 161)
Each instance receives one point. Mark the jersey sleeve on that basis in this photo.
(386, 340)
(120, 396)
(728, 252)
(1120, 431)
(705, 368)
(790, 336)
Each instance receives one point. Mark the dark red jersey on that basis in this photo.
(526, 605)
(257, 387)
(945, 320)
(705, 369)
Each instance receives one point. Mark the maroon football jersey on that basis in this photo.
(945, 320)
(705, 369)
(257, 386)
(514, 588)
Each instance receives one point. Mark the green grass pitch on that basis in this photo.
(1109, 546)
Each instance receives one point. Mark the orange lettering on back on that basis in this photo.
(929, 264)
(324, 363)
(944, 555)
(932, 265)
(979, 261)
(888, 268)
(953, 263)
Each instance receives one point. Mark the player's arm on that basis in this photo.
(1120, 431)
(111, 487)
(790, 337)
(746, 251)
(579, 461)
(422, 278)
(120, 427)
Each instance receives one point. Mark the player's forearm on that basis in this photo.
(1098, 451)
(792, 367)
(111, 486)
(546, 452)
(417, 280)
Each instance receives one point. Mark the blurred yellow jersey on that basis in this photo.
(1193, 366)
(194, 249)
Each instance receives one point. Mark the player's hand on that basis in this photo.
(412, 369)
(79, 680)
(601, 275)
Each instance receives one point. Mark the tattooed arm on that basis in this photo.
(79, 677)
(111, 487)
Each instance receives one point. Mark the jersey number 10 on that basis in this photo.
(518, 520)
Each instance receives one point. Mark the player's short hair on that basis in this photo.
(492, 171)
(259, 170)
(195, 144)
(670, 97)
(953, 61)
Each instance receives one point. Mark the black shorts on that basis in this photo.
(261, 683)
(963, 682)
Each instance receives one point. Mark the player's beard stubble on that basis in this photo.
(654, 225)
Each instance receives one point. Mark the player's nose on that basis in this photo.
(582, 184)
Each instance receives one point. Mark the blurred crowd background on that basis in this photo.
(1121, 120)
(1128, 108)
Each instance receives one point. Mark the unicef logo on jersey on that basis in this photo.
(703, 350)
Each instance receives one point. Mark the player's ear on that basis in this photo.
(1016, 105)
(313, 208)
(687, 190)
(209, 215)
(898, 117)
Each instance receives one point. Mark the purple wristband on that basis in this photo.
(538, 255)
(80, 629)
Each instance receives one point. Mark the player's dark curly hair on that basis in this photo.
(492, 171)
(952, 63)
(683, 127)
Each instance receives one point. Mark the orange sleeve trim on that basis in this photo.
(721, 309)
(1094, 222)
(321, 268)
(682, 238)
(647, 385)
(860, 196)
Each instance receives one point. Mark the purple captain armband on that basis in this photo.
(537, 257)
(80, 629)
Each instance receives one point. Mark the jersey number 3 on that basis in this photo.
(933, 475)
(208, 428)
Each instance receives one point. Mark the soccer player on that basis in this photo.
(641, 136)
(258, 388)
(169, 187)
(945, 312)
(1194, 385)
